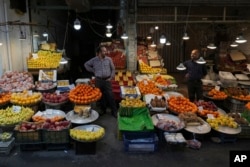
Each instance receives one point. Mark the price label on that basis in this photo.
(210, 116)
(145, 82)
(30, 92)
(16, 109)
(217, 88)
(200, 108)
(58, 92)
(34, 55)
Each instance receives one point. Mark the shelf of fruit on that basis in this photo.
(124, 78)
(84, 94)
(87, 133)
(146, 69)
(216, 94)
(148, 87)
(44, 60)
(55, 99)
(26, 98)
(14, 81)
(179, 104)
(4, 98)
(15, 114)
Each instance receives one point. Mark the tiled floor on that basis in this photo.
(109, 152)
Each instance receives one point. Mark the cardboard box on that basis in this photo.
(237, 56)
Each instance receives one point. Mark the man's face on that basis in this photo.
(103, 52)
(194, 55)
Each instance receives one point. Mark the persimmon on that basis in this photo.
(84, 94)
(181, 104)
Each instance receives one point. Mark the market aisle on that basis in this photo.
(110, 151)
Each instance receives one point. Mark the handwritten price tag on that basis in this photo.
(17, 109)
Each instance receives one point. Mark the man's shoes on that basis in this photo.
(114, 114)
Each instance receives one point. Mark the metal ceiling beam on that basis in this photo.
(198, 21)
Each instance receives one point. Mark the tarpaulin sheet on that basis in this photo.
(140, 121)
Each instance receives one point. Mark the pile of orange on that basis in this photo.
(181, 104)
(242, 97)
(148, 87)
(160, 80)
(204, 113)
(4, 97)
(84, 94)
(217, 94)
(247, 105)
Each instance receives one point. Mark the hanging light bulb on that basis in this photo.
(45, 34)
(108, 33)
(153, 44)
(211, 46)
(109, 26)
(77, 24)
(156, 27)
(124, 36)
(149, 37)
(181, 67)
(240, 39)
(163, 39)
(1, 43)
(168, 43)
(201, 61)
(234, 44)
(185, 36)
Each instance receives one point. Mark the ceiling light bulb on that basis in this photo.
(201, 61)
(45, 34)
(168, 43)
(181, 67)
(240, 39)
(77, 24)
(185, 36)
(163, 39)
(124, 36)
(153, 44)
(109, 26)
(156, 27)
(108, 33)
(149, 37)
(1, 43)
(234, 44)
(211, 46)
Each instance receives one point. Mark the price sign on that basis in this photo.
(217, 88)
(210, 116)
(58, 92)
(16, 109)
(200, 108)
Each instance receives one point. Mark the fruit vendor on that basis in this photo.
(104, 70)
(195, 72)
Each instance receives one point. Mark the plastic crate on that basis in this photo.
(234, 105)
(56, 137)
(28, 137)
(245, 132)
(6, 147)
(140, 142)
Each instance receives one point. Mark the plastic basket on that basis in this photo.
(5, 147)
(28, 137)
(55, 137)
(141, 142)
(245, 132)
(234, 105)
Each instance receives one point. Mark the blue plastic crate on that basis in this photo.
(140, 142)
